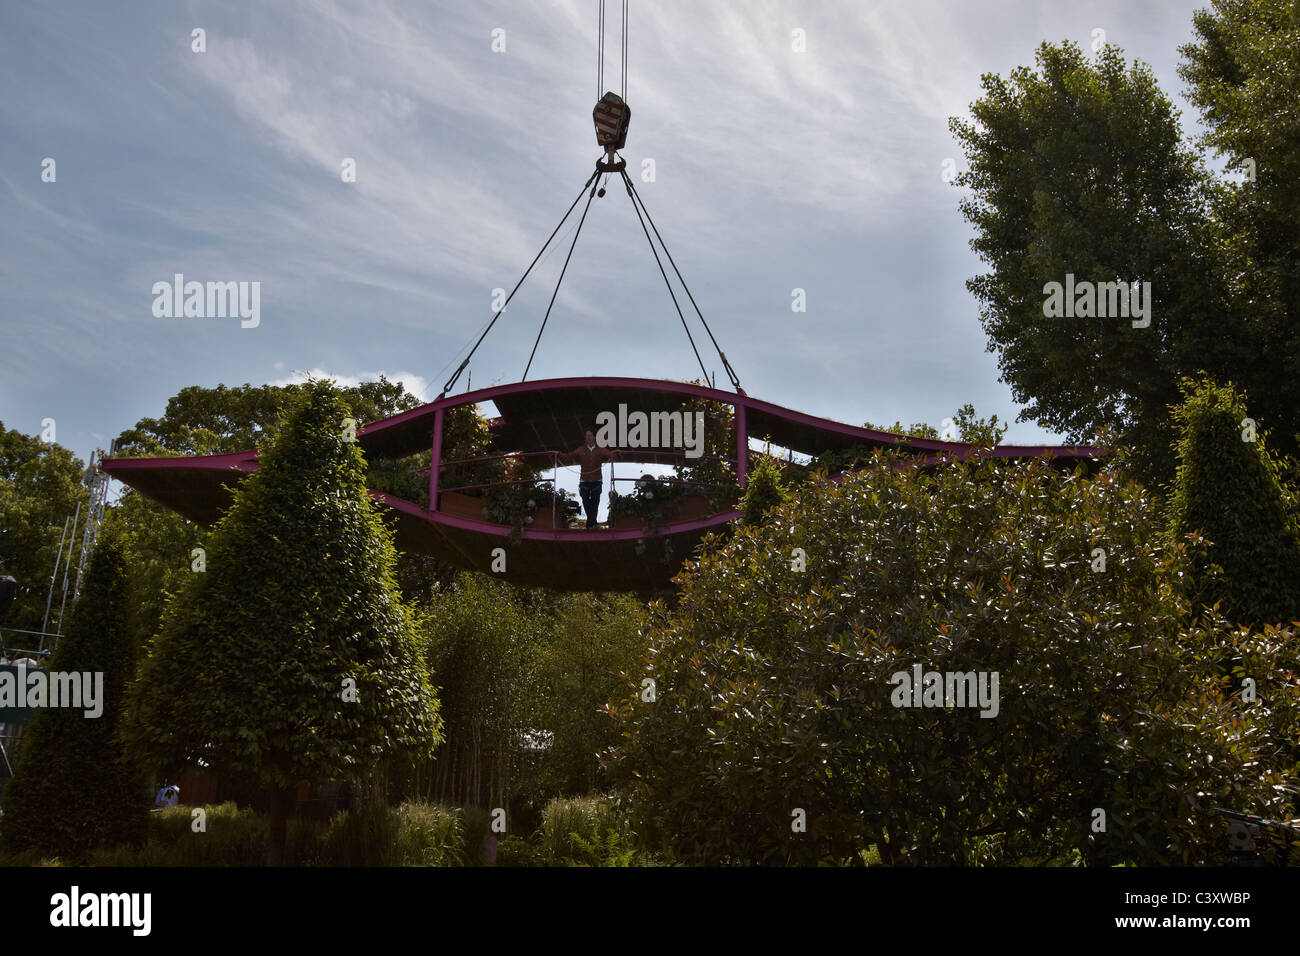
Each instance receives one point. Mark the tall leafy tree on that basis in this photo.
(292, 656)
(484, 651)
(221, 420)
(523, 675)
(1243, 74)
(40, 487)
(159, 546)
(1077, 167)
(74, 787)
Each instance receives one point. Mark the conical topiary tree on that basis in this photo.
(73, 788)
(1227, 489)
(291, 656)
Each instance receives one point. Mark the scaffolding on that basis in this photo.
(97, 481)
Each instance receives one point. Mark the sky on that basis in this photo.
(767, 168)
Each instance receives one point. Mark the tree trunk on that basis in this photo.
(281, 798)
(455, 775)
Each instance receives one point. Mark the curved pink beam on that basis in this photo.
(938, 451)
(415, 415)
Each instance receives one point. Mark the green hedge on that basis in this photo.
(413, 834)
(581, 831)
(1228, 490)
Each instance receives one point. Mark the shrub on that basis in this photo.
(653, 501)
(413, 834)
(714, 471)
(776, 688)
(234, 837)
(567, 820)
(585, 831)
(516, 504)
(1228, 490)
(763, 491)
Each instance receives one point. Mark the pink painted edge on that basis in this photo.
(702, 391)
(242, 459)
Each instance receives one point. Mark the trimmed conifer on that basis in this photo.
(291, 656)
(1227, 490)
(74, 789)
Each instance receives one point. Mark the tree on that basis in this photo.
(483, 648)
(523, 677)
(777, 734)
(292, 656)
(1077, 169)
(159, 547)
(1243, 74)
(593, 640)
(40, 488)
(74, 788)
(967, 428)
(918, 430)
(1228, 491)
(984, 432)
(223, 420)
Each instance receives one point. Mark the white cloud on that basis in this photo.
(417, 385)
(775, 169)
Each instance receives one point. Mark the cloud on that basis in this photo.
(774, 169)
(417, 385)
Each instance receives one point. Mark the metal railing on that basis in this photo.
(676, 457)
(552, 481)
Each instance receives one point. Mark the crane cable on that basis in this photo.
(640, 206)
(600, 54)
(455, 375)
(632, 195)
(590, 196)
(541, 261)
(643, 217)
